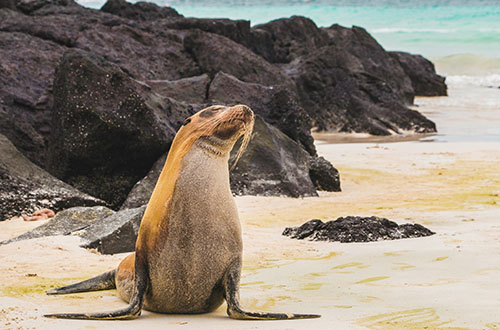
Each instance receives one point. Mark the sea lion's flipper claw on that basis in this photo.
(132, 311)
(231, 282)
(101, 282)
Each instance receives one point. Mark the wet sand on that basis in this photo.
(446, 281)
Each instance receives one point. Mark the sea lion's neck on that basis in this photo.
(205, 163)
(214, 146)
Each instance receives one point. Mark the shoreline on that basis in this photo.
(348, 138)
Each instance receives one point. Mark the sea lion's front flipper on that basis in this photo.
(231, 283)
(132, 311)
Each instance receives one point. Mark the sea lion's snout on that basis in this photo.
(244, 111)
(234, 122)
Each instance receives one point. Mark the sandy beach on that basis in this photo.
(447, 182)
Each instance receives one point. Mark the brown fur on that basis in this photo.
(155, 227)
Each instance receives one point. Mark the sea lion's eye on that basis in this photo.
(209, 112)
(187, 121)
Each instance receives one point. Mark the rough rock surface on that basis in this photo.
(214, 53)
(424, 79)
(323, 175)
(66, 222)
(292, 37)
(353, 85)
(142, 11)
(26, 71)
(189, 90)
(99, 227)
(106, 131)
(272, 164)
(142, 190)
(116, 233)
(25, 187)
(356, 229)
(277, 106)
(32, 43)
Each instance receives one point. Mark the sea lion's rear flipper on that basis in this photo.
(101, 282)
(132, 311)
(231, 282)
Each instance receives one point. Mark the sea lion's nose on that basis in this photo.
(245, 109)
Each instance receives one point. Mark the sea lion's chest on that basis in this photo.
(202, 235)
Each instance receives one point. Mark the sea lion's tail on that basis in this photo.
(101, 282)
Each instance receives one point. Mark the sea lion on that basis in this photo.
(188, 252)
(42, 214)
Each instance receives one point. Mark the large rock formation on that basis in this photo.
(214, 53)
(323, 175)
(66, 222)
(142, 190)
(26, 73)
(132, 72)
(100, 228)
(25, 187)
(189, 90)
(272, 164)
(423, 76)
(276, 105)
(142, 11)
(106, 130)
(292, 38)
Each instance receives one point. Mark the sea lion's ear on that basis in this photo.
(187, 121)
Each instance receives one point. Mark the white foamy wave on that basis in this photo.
(492, 80)
(411, 30)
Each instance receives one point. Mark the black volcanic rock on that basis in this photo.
(189, 90)
(292, 37)
(343, 95)
(276, 105)
(28, 65)
(142, 11)
(115, 233)
(424, 79)
(214, 53)
(25, 188)
(68, 221)
(100, 228)
(356, 229)
(31, 47)
(29, 6)
(272, 165)
(373, 62)
(236, 30)
(106, 130)
(142, 190)
(323, 175)
(9, 4)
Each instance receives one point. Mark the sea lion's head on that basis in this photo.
(218, 127)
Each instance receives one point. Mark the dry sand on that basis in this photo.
(446, 281)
